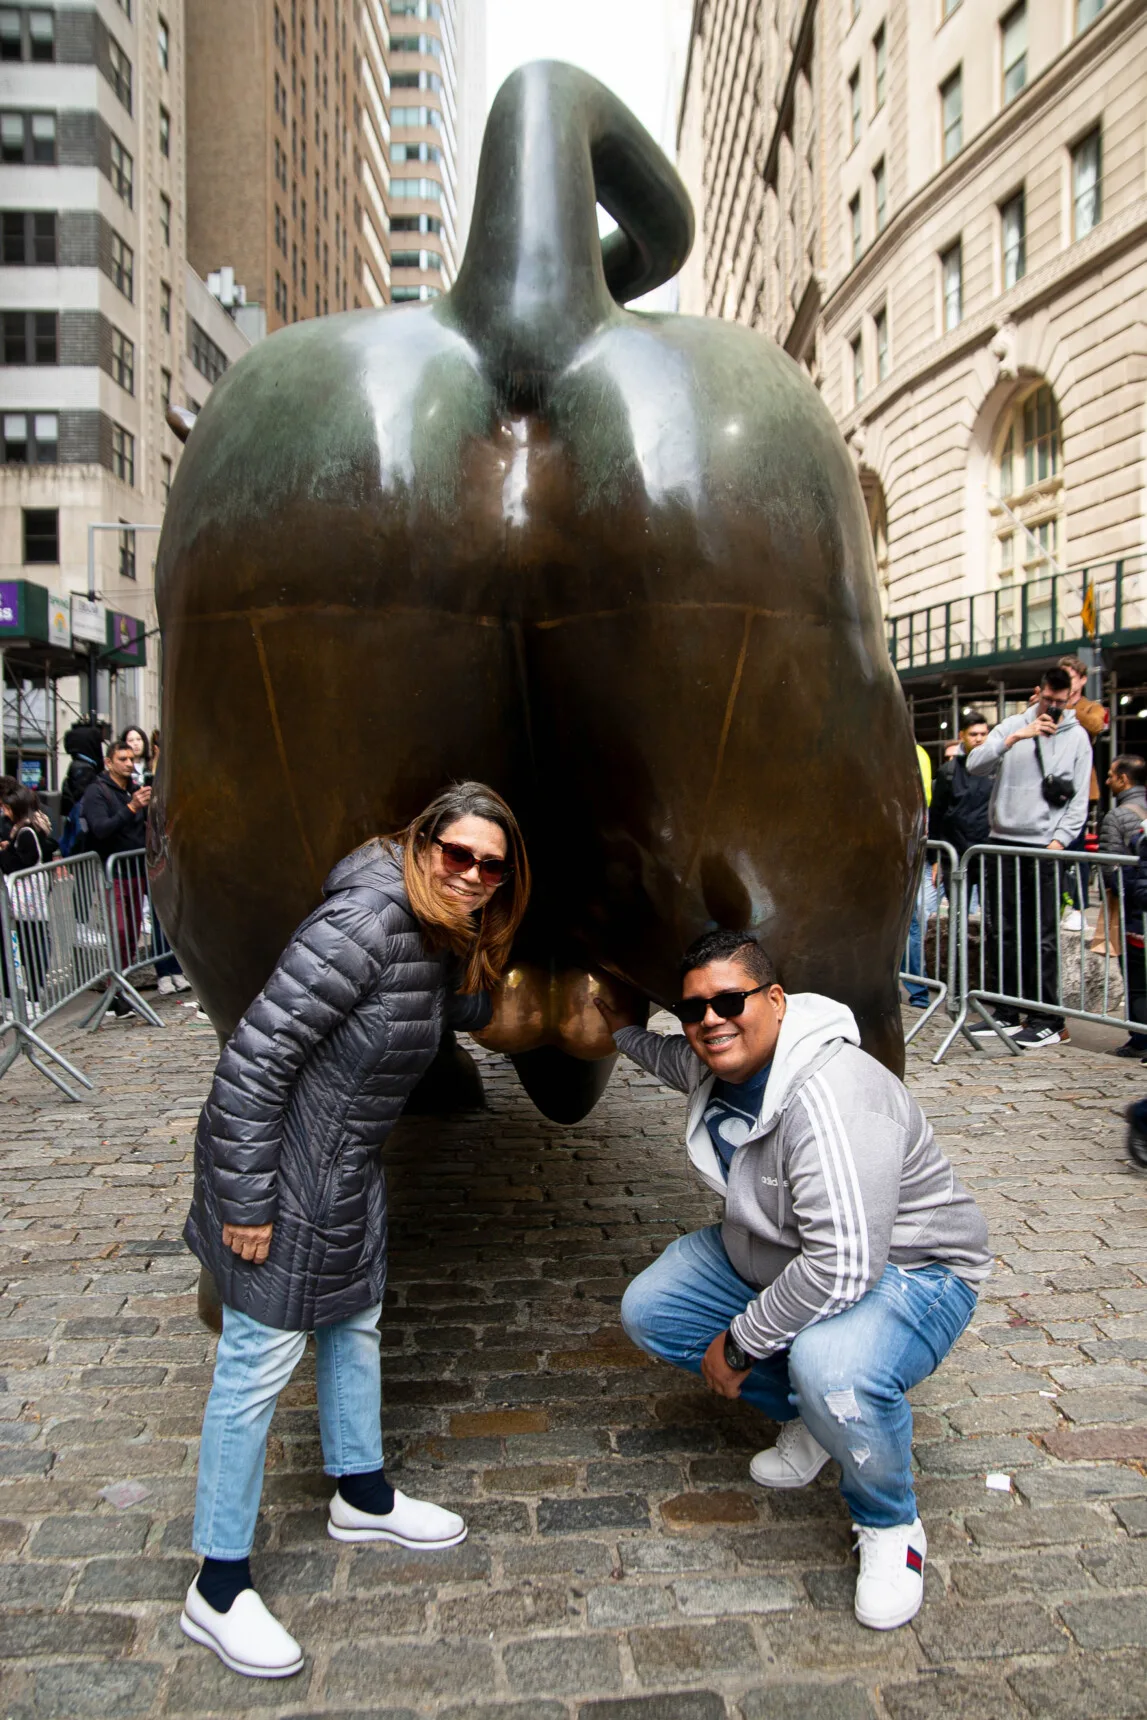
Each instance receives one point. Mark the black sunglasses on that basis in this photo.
(458, 859)
(691, 1011)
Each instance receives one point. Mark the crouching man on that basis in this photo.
(847, 1263)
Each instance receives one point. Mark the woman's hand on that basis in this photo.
(250, 1241)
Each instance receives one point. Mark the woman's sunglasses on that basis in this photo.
(455, 858)
(692, 1010)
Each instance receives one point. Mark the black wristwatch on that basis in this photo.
(735, 1357)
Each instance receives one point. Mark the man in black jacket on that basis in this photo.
(115, 812)
(959, 810)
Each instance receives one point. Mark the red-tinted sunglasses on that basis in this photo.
(455, 858)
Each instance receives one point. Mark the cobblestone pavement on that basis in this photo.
(620, 1565)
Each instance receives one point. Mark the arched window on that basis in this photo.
(873, 491)
(1026, 503)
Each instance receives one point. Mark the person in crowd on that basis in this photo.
(1041, 766)
(1120, 833)
(849, 1255)
(84, 744)
(289, 1208)
(1092, 718)
(8, 787)
(925, 903)
(114, 811)
(959, 812)
(140, 747)
(30, 842)
(951, 750)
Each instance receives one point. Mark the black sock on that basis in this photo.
(371, 1493)
(221, 1580)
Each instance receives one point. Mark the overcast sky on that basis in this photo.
(637, 47)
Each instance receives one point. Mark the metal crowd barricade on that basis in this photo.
(929, 949)
(56, 922)
(140, 935)
(1023, 954)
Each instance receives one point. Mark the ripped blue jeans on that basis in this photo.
(846, 1377)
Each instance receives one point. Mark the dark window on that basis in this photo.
(127, 555)
(122, 171)
(166, 468)
(210, 360)
(125, 7)
(165, 388)
(28, 236)
(165, 305)
(1086, 184)
(31, 438)
(41, 535)
(123, 361)
(27, 34)
(1013, 226)
(123, 266)
(952, 113)
(164, 43)
(30, 337)
(123, 454)
(165, 217)
(164, 132)
(28, 137)
(119, 72)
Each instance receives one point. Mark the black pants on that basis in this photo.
(1021, 915)
(1137, 991)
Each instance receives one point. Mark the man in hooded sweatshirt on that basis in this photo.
(849, 1257)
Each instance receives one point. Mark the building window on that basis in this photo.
(880, 193)
(210, 360)
(123, 266)
(125, 7)
(165, 217)
(164, 132)
(165, 389)
(1013, 229)
(28, 236)
(428, 188)
(41, 536)
(854, 108)
(880, 324)
(1014, 32)
(122, 171)
(27, 35)
(948, 8)
(28, 138)
(856, 347)
(165, 306)
(880, 67)
(855, 229)
(31, 438)
(1086, 12)
(952, 113)
(163, 42)
(119, 72)
(167, 470)
(1086, 189)
(123, 361)
(30, 337)
(952, 279)
(127, 555)
(123, 454)
(1028, 506)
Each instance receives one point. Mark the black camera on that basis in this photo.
(1055, 712)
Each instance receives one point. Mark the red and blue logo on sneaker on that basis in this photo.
(915, 1561)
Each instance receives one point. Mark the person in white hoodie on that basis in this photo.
(848, 1261)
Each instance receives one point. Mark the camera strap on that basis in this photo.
(1039, 756)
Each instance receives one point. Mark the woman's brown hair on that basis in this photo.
(481, 941)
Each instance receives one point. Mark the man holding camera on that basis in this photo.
(1041, 760)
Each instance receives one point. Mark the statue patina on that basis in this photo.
(616, 564)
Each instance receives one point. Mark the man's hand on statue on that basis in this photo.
(716, 1372)
(250, 1241)
(613, 1018)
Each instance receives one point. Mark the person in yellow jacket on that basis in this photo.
(914, 955)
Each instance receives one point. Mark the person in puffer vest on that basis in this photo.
(848, 1261)
(289, 1206)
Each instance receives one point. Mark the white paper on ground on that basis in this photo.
(121, 1494)
(999, 1483)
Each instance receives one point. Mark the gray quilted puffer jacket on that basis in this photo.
(308, 1087)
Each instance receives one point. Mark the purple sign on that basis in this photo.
(9, 606)
(126, 638)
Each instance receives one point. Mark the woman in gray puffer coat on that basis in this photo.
(289, 1208)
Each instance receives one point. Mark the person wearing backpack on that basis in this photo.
(30, 843)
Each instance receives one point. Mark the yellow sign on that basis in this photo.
(1088, 614)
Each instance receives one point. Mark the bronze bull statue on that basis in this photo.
(617, 565)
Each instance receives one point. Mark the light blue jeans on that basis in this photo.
(845, 1376)
(252, 1365)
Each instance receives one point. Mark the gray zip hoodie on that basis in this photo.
(1018, 811)
(840, 1177)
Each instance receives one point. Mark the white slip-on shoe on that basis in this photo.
(247, 1638)
(165, 985)
(795, 1460)
(412, 1523)
(890, 1587)
(181, 982)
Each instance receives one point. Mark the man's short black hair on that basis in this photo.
(970, 719)
(1057, 680)
(114, 747)
(1132, 767)
(730, 946)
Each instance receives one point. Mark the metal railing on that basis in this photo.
(1021, 617)
(1017, 954)
(928, 966)
(63, 931)
(140, 939)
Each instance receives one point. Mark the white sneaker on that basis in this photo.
(181, 982)
(247, 1638)
(412, 1523)
(795, 1460)
(1072, 921)
(165, 985)
(890, 1587)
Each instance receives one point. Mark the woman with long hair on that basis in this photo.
(134, 738)
(29, 842)
(289, 1208)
